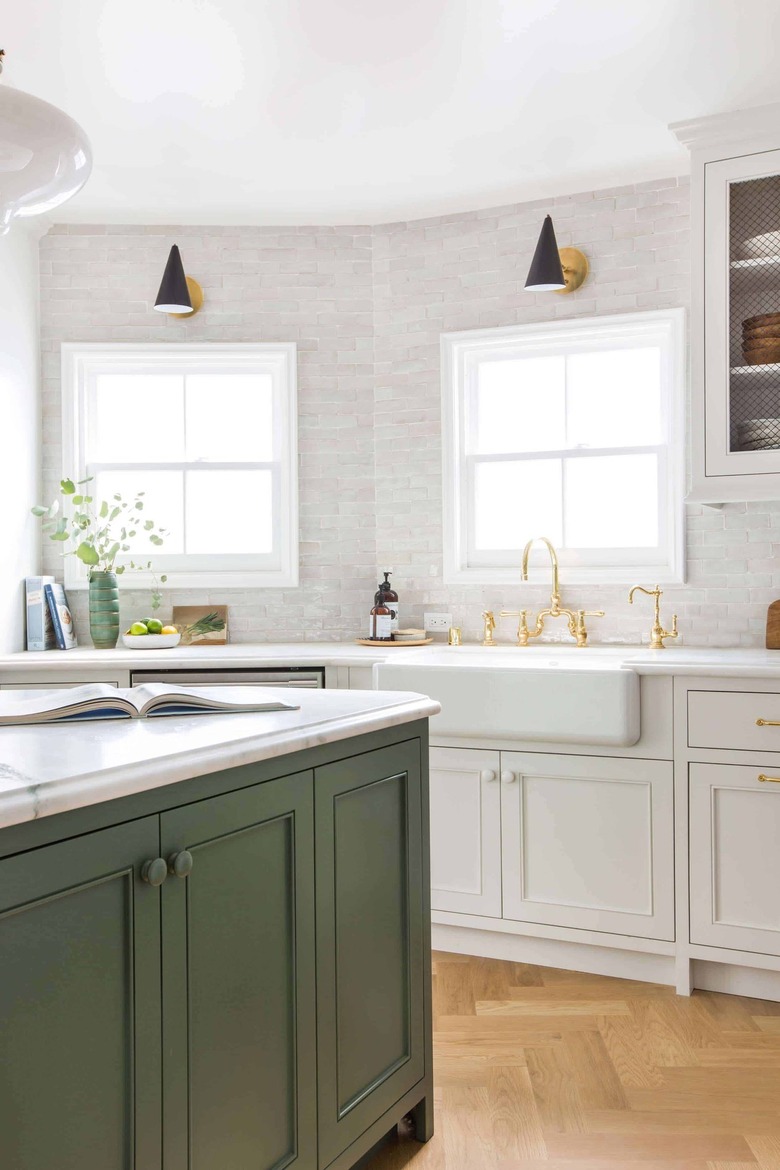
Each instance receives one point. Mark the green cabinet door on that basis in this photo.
(370, 939)
(80, 1004)
(239, 1048)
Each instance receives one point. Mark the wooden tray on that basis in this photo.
(369, 642)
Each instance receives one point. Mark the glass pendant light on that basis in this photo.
(546, 271)
(45, 157)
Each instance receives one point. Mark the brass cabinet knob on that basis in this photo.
(180, 864)
(154, 872)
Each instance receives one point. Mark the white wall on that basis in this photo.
(19, 426)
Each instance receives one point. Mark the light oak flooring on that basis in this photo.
(538, 1069)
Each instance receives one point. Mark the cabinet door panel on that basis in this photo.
(465, 831)
(588, 842)
(741, 196)
(371, 937)
(80, 1004)
(239, 981)
(734, 858)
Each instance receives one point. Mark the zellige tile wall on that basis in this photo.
(367, 307)
(308, 285)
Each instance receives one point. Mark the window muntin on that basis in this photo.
(571, 430)
(208, 432)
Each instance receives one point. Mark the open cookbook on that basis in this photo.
(102, 701)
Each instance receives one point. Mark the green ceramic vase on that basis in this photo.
(103, 610)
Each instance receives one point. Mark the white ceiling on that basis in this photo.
(339, 111)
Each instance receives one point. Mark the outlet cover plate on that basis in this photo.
(433, 622)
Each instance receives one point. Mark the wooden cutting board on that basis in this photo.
(773, 626)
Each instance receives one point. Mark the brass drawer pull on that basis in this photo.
(767, 722)
(768, 779)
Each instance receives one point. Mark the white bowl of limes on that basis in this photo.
(151, 634)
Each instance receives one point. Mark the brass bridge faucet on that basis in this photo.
(575, 621)
(658, 633)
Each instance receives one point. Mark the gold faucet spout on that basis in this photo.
(555, 597)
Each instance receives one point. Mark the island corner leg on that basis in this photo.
(422, 1118)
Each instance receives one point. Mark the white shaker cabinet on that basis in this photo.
(735, 857)
(588, 842)
(465, 831)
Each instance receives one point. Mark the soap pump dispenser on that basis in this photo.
(388, 596)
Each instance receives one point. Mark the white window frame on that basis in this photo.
(460, 355)
(81, 364)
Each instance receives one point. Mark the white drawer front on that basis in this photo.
(729, 719)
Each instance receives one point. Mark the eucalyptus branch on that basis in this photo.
(97, 532)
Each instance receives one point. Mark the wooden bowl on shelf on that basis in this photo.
(761, 320)
(763, 353)
(760, 332)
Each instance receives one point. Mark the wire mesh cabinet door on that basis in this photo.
(741, 329)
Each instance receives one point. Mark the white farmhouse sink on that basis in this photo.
(544, 694)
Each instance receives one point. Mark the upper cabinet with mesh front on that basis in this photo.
(735, 326)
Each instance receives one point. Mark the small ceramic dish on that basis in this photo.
(151, 641)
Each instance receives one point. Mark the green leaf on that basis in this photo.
(119, 569)
(104, 510)
(58, 536)
(39, 510)
(111, 554)
(164, 578)
(148, 525)
(139, 505)
(67, 487)
(87, 480)
(155, 539)
(114, 513)
(77, 499)
(87, 554)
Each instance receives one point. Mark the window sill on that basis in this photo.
(570, 574)
(212, 581)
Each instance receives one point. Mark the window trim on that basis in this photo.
(79, 363)
(459, 350)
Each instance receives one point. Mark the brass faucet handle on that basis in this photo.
(490, 625)
(522, 625)
(580, 629)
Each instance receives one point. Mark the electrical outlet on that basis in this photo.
(437, 621)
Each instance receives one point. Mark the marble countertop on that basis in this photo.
(673, 660)
(237, 654)
(50, 769)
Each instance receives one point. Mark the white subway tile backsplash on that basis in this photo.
(367, 307)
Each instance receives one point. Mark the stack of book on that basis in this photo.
(49, 620)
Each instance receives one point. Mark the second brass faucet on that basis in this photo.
(575, 621)
(657, 633)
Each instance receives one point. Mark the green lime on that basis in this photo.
(154, 626)
(139, 628)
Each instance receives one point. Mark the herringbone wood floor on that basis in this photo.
(538, 1069)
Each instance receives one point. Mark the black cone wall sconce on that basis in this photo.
(179, 295)
(555, 269)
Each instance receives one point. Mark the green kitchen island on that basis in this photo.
(215, 937)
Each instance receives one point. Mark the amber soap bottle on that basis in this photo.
(388, 595)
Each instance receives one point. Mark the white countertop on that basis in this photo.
(673, 660)
(50, 769)
(237, 655)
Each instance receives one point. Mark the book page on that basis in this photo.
(18, 707)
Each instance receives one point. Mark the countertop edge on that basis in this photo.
(34, 800)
